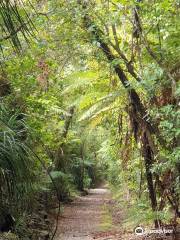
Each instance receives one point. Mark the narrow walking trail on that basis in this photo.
(88, 217)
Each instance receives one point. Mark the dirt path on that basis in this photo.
(95, 216)
(88, 218)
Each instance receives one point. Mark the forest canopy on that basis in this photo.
(89, 94)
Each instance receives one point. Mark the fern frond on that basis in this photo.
(90, 112)
(101, 106)
(79, 80)
(95, 121)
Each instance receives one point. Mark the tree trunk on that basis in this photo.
(59, 157)
(148, 159)
(81, 185)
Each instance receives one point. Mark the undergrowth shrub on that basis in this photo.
(17, 166)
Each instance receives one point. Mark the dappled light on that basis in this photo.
(89, 120)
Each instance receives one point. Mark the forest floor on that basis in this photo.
(93, 216)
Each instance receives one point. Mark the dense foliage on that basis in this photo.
(94, 98)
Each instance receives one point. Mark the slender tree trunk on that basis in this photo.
(141, 180)
(81, 186)
(148, 159)
(68, 122)
(59, 158)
